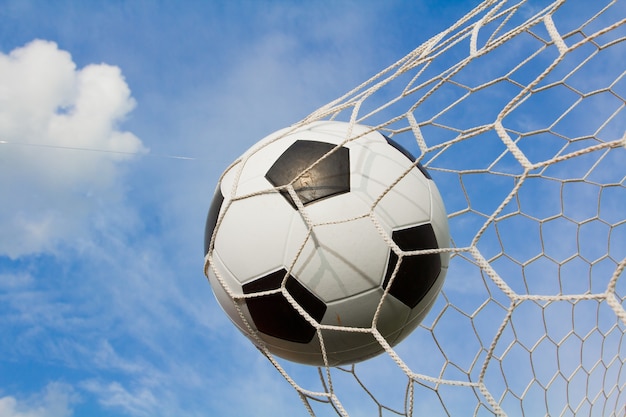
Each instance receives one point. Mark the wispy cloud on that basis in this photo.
(137, 402)
(55, 400)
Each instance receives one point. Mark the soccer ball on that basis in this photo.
(317, 230)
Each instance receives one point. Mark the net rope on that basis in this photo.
(517, 111)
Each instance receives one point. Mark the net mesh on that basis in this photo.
(517, 111)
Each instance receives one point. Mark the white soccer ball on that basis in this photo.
(299, 249)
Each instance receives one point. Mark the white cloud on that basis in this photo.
(54, 401)
(50, 112)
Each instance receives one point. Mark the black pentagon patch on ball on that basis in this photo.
(408, 154)
(417, 273)
(275, 316)
(329, 177)
(211, 220)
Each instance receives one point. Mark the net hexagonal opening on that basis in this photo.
(417, 273)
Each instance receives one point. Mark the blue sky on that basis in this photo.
(104, 308)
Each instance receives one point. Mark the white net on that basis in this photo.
(517, 111)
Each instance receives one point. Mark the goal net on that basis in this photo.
(518, 113)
